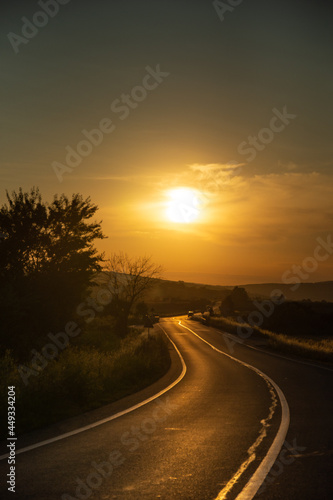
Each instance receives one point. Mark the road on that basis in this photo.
(205, 438)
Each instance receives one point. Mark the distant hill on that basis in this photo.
(181, 290)
(177, 297)
(306, 291)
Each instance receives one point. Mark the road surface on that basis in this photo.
(204, 438)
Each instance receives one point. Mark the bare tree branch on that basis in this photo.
(128, 279)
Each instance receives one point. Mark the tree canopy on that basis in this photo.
(47, 259)
(38, 237)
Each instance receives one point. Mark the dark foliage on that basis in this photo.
(47, 259)
(304, 318)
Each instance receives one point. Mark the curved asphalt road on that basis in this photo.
(206, 435)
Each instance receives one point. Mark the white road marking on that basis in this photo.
(266, 464)
(112, 417)
(300, 361)
(276, 355)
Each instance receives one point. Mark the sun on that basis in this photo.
(183, 206)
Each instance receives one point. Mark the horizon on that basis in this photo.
(164, 277)
(245, 283)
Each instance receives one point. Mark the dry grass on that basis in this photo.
(321, 350)
(315, 349)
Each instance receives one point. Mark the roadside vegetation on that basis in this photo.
(301, 328)
(98, 368)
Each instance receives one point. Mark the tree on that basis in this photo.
(39, 237)
(240, 299)
(47, 259)
(227, 306)
(128, 279)
(141, 309)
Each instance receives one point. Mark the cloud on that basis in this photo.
(290, 166)
(131, 178)
(215, 168)
(274, 208)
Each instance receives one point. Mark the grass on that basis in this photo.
(320, 350)
(99, 369)
(314, 349)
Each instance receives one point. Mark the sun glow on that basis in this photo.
(183, 205)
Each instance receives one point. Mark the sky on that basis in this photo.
(207, 130)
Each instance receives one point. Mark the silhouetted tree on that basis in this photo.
(47, 259)
(141, 309)
(227, 306)
(240, 299)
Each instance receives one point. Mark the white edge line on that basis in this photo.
(281, 356)
(266, 464)
(275, 354)
(112, 417)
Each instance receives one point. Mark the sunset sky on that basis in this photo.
(245, 213)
